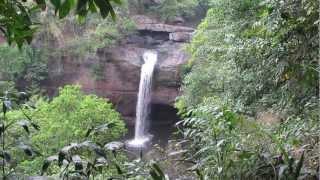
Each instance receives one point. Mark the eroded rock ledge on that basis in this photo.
(175, 32)
(119, 71)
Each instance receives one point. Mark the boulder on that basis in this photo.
(180, 36)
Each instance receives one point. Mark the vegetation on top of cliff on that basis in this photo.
(172, 10)
(16, 17)
(73, 38)
(24, 66)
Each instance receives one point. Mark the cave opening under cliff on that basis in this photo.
(162, 122)
(164, 36)
(163, 114)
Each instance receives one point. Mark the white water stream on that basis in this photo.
(141, 135)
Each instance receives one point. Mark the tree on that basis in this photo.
(17, 22)
(67, 118)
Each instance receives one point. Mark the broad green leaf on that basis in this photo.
(65, 8)
(104, 7)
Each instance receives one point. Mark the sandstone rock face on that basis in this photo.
(180, 36)
(148, 24)
(119, 69)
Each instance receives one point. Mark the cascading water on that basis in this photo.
(144, 97)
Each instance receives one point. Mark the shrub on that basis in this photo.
(69, 115)
(67, 118)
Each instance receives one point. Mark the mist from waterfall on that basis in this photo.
(144, 98)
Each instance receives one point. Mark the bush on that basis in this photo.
(69, 115)
(67, 118)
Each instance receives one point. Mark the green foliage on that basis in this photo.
(14, 133)
(225, 145)
(84, 160)
(255, 55)
(82, 38)
(169, 9)
(98, 71)
(15, 21)
(90, 160)
(70, 114)
(7, 86)
(99, 34)
(247, 57)
(26, 64)
(18, 26)
(67, 118)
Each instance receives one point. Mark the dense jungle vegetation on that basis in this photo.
(249, 102)
(249, 58)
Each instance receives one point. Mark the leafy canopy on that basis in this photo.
(17, 22)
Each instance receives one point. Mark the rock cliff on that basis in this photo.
(119, 66)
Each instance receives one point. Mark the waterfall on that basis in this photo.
(144, 97)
